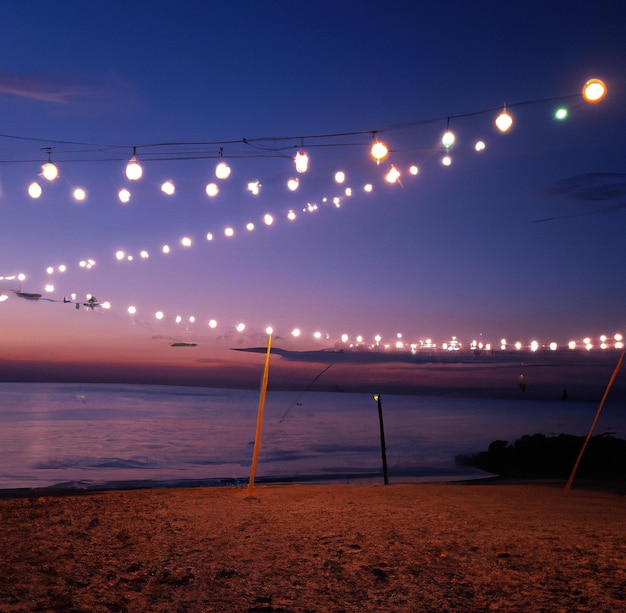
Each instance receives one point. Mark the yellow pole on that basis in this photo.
(259, 420)
(568, 485)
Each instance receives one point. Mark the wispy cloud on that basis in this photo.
(596, 187)
(87, 93)
(48, 89)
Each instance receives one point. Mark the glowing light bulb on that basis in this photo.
(212, 323)
(209, 236)
(448, 138)
(268, 219)
(212, 190)
(185, 241)
(168, 188)
(124, 196)
(133, 169)
(379, 151)
(222, 170)
(291, 215)
(340, 176)
(250, 227)
(79, 194)
(414, 170)
(479, 146)
(446, 160)
(254, 187)
(34, 190)
(561, 114)
(240, 327)
(393, 175)
(368, 187)
(594, 90)
(49, 171)
(159, 315)
(302, 161)
(504, 121)
(292, 184)
(229, 232)
(132, 310)
(120, 255)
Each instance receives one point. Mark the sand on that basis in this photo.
(414, 547)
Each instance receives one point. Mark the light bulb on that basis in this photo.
(168, 188)
(448, 138)
(302, 161)
(133, 169)
(504, 121)
(594, 90)
(393, 175)
(49, 171)
(379, 151)
(34, 190)
(222, 170)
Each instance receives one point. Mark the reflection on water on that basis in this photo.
(60, 433)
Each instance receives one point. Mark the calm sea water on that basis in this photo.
(116, 434)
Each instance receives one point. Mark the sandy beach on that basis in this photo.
(297, 548)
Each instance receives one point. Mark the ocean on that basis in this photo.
(108, 435)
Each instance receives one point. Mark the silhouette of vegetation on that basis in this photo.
(537, 455)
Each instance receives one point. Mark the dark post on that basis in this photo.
(383, 449)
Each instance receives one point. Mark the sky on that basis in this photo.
(523, 240)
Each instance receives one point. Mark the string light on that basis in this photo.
(504, 121)
(79, 194)
(34, 190)
(222, 171)
(168, 188)
(302, 162)
(594, 90)
(212, 190)
(448, 138)
(379, 151)
(561, 114)
(134, 171)
(393, 175)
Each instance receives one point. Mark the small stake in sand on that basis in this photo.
(259, 421)
(383, 449)
(568, 485)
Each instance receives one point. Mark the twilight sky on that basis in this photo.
(523, 240)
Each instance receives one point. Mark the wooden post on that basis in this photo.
(568, 485)
(383, 449)
(259, 420)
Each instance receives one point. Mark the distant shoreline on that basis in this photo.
(457, 374)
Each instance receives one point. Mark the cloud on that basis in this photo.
(598, 187)
(60, 91)
(106, 92)
(594, 186)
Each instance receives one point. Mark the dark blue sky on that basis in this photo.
(452, 251)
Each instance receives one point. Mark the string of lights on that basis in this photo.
(67, 152)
